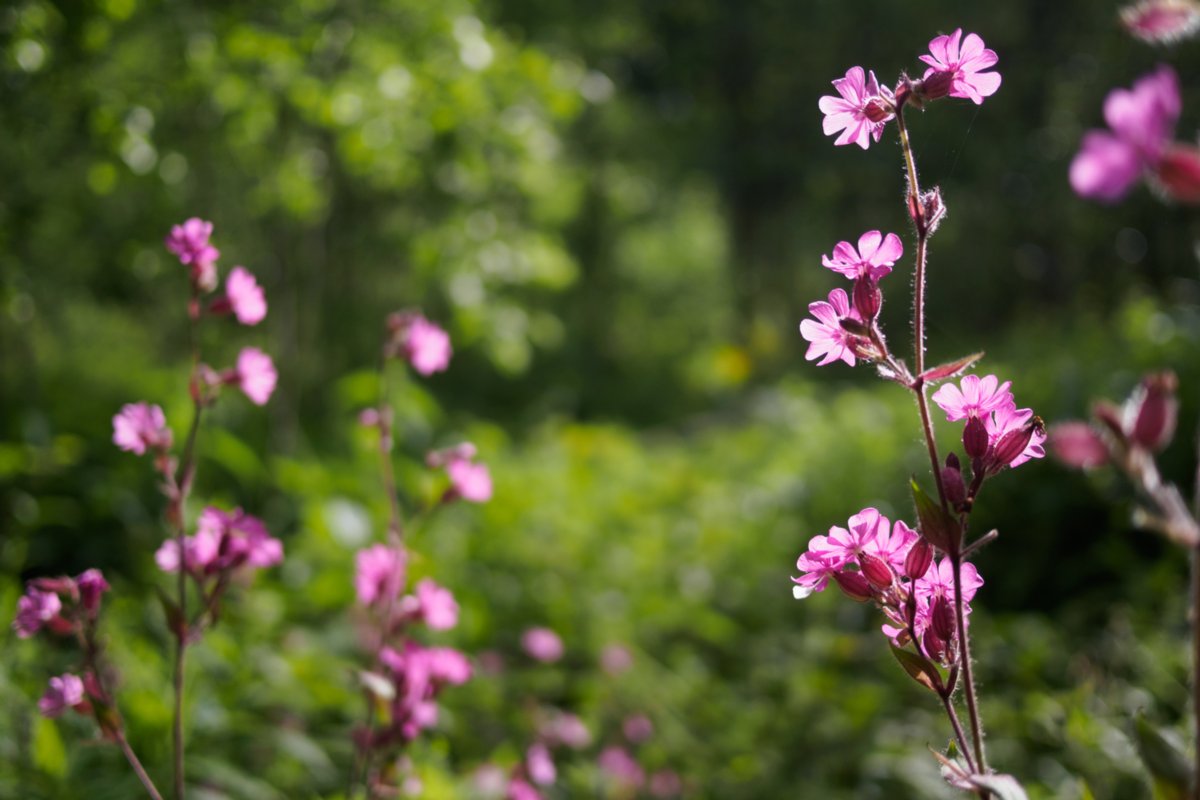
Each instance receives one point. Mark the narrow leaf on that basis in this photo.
(937, 526)
(950, 368)
(919, 668)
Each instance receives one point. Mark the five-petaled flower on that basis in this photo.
(874, 257)
(963, 63)
(861, 111)
(828, 340)
(141, 426)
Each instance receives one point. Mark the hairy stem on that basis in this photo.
(959, 736)
(965, 661)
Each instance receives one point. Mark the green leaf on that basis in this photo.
(1163, 757)
(919, 668)
(937, 526)
(49, 755)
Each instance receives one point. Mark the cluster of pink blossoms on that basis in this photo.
(1139, 143)
(996, 434)
(223, 542)
(66, 607)
(957, 67)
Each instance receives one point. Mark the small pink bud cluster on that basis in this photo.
(1139, 143)
(957, 67)
(872, 560)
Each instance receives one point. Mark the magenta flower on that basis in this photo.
(65, 691)
(245, 296)
(1009, 418)
(964, 65)
(939, 581)
(91, 585)
(566, 729)
(189, 242)
(436, 605)
(138, 426)
(1078, 445)
(1161, 21)
(539, 765)
(861, 111)
(419, 674)
(893, 549)
(224, 540)
(977, 397)
(542, 644)
(620, 767)
(616, 659)
(1142, 122)
(419, 341)
(380, 573)
(864, 528)
(521, 789)
(256, 375)
(816, 571)
(828, 340)
(637, 728)
(472, 482)
(34, 609)
(873, 259)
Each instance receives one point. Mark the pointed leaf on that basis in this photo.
(1163, 757)
(919, 668)
(937, 526)
(951, 368)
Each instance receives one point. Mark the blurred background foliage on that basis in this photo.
(618, 210)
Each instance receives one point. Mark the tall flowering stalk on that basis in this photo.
(921, 579)
(224, 542)
(405, 677)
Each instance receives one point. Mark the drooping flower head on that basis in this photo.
(828, 340)
(245, 296)
(874, 257)
(189, 242)
(255, 375)
(861, 110)
(65, 691)
(542, 644)
(138, 426)
(1141, 123)
(380, 573)
(962, 62)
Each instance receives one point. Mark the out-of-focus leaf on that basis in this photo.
(49, 755)
(1163, 757)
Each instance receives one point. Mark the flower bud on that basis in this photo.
(952, 483)
(975, 438)
(854, 585)
(1155, 409)
(879, 109)
(919, 557)
(1178, 173)
(935, 647)
(941, 618)
(1013, 444)
(1109, 416)
(876, 570)
(867, 298)
(935, 86)
(932, 209)
(1078, 445)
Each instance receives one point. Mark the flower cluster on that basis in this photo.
(957, 67)
(1139, 143)
(223, 542)
(996, 434)
(469, 480)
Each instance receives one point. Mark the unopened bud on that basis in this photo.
(935, 86)
(919, 557)
(867, 298)
(1178, 173)
(933, 209)
(854, 585)
(1078, 445)
(1109, 416)
(876, 570)
(1013, 444)
(975, 438)
(1155, 409)
(941, 618)
(935, 647)
(879, 109)
(952, 483)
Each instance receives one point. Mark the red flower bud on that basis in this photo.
(1178, 172)
(1012, 444)
(1078, 445)
(1155, 409)
(941, 619)
(919, 557)
(935, 647)
(935, 86)
(854, 585)
(876, 570)
(879, 109)
(952, 482)
(867, 298)
(975, 438)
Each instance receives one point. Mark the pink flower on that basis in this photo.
(1078, 445)
(65, 691)
(1161, 21)
(419, 341)
(419, 674)
(615, 659)
(873, 259)
(34, 609)
(245, 296)
(542, 644)
(139, 426)
(939, 581)
(977, 397)
(437, 605)
(189, 242)
(861, 111)
(1009, 418)
(964, 65)
(620, 767)
(865, 527)
(380, 574)
(224, 540)
(828, 340)
(1142, 122)
(521, 789)
(637, 728)
(539, 765)
(256, 375)
(816, 571)
(665, 783)
(471, 482)
(566, 729)
(91, 585)
(893, 549)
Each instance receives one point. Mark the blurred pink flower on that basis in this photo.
(874, 257)
(380, 573)
(977, 397)
(419, 674)
(566, 729)
(1161, 21)
(34, 609)
(65, 691)
(829, 341)
(224, 540)
(520, 789)
(138, 426)
(615, 659)
(420, 342)
(637, 728)
(91, 585)
(665, 783)
(245, 296)
(256, 375)
(539, 765)
(472, 482)
(964, 62)
(189, 242)
(1078, 445)
(542, 644)
(861, 110)
(436, 605)
(620, 767)
(1142, 122)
